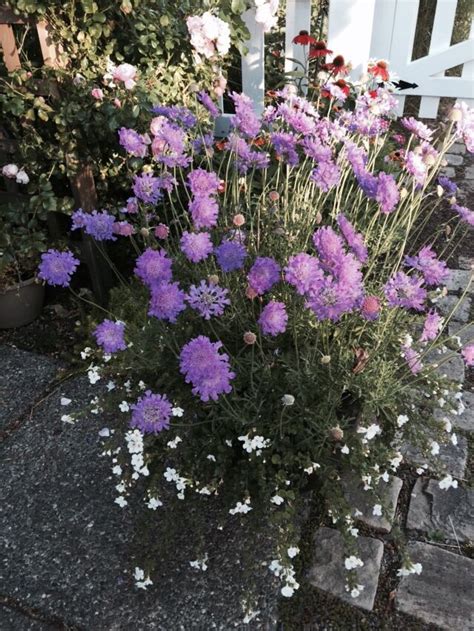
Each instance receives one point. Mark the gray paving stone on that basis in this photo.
(364, 501)
(13, 620)
(327, 571)
(69, 551)
(444, 591)
(458, 280)
(450, 512)
(466, 262)
(464, 421)
(447, 364)
(448, 172)
(447, 304)
(454, 159)
(451, 458)
(469, 172)
(458, 147)
(463, 331)
(24, 377)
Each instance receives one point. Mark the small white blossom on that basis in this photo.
(288, 399)
(172, 444)
(67, 418)
(200, 564)
(293, 551)
(177, 411)
(448, 482)
(287, 591)
(110, 386)
(396, 461)
(124, 407)
(370, 432)
(377, 510)
(117, 470)
(402, 419)
(448, 426)
(352, 562)
(86, 352)
(121, 501)
(140, 581)
(313, 466)
(414, 568)
(241, 508)
(65, 401)
(170, 475)
(104, 432)
(454, 439)
(211, 457)
(153, 503)
(356, 591)
(434, 448)
(345, 449)
(93, 374)
(277, 499)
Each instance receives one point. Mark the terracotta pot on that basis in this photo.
(20, 304)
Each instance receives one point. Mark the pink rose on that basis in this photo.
(97, 94)
(126, 73)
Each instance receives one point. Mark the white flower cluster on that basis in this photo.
(141, 581)
(171, 475)
(355, 590)
(200, 564)
(12, 172)
(448, 482)
(266, 14)
(413, 568)
(173, 444)
(254, 443)
(352, 562)
(210, 36)
(154, 503)
(369, 432)
(93, 374)
(286, 574)
(134, 441)
(241, 507)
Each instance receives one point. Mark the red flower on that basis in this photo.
(379, 69)
(337, 65)
(304, 38)
(318, 49)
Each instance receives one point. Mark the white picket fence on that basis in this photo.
(382, 29)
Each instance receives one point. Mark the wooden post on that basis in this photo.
(10, 51)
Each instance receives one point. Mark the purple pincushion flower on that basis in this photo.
(205, 368)
(208, 103)
(273, 319)
(434, 271)
(303, 272)
(264, 273)
(203, 183)
(230, 255)
(153, 266)
(354, 239)
(56, 268)
(431, 327)
(447, 185)
(326, 175)
(204, 212)
(245, 119)
(388, 194)
(110, 336)
(464, 213)
(316, 150)
(79, 219)
(208, 299)
(412, 358)
(330, 247)
(468, 354)
(416, 167)
(132, 142)
(196, 246)
(167, 301)
(368, 183)
(330, 300)
(285, 147)
(405, 291)
(98, 225)
(151, 413)
(147, 187)
(417, 128)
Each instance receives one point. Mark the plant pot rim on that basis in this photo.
(16, 286)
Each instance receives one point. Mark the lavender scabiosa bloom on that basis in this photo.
(388, 194)
(434, 271)
(246, 158)
(405, 291)
(285, 147)
(356, 156)
(56, 268)
(147, 188)
(368, 183)
(230, 255)
(303, 272)
(196, 245)
(167, 301)
(412, 358)
(326, 175)
(273, 319)
(416, 167)
(245, 119)
(208, 299)
(208, 103)
(417, 128)
(98, 225)
(169, 145)
(370, 308)
(468, 355)
(176, 114)
(349, 276)
(110, 336)
(329, 300)
(354, 239)
(316, 150)
(204, 212)
(464, 213)
(131, 207)
(123, 228)
(151, 413)
(203, 144)
(205, 368)
(263, 274)
(153, 266)
(133, 143)
(203, 183)
(447, 185)
(431, 327)
(79, 219)
(329, 246)
(464, 117)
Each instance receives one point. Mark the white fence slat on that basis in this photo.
(440, 40)
(404, 26)
(298, 18)
(253, 63)
(382, 31)
(350, 31)
(468, 72)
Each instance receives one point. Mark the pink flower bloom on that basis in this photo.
(468, 354)
(413, 359)
(97, 94)
(126, 73)
(370, 308)
(432, 326)
(162, 231)
(210, 36)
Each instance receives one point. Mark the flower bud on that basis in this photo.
(273, 196)
(455, 115)
(213, 279)
(439, 191)
(144, 232)
(288, 399)
(403, 193)
(250, 338)
(251, 293)
(325, 359)
(161, 231)
(238, 220)
(336, 433)
(319, 217)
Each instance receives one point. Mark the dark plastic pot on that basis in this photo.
(21, 304)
